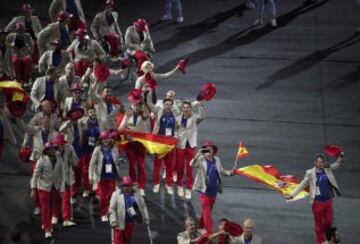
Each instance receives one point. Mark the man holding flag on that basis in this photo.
(323, 187)
(208, 181)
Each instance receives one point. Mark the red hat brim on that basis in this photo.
(182, 65)
(215, 148)
(207, 92)
(135, 96)
(75, 114)
(333, 150)
(234, 229)
(101, 72)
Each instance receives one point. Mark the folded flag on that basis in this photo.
(154, 144)
(242, 151)
(270, 176)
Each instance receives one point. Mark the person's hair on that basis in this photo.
(330, 233)
(168, 100)
(319, 155)
(107, 87)
(187, 103)
(223, 220)
(249, 222)
(145, 64)
(189, 219)
(50, 71)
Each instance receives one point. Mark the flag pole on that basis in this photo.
(237, 157)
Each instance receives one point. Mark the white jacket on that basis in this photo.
(35, 24)
(60, 5)
(38, 89)
(46, 62)
(100, 26)
(93, 50)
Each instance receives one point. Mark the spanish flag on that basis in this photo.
(270, 176)
(154, 144)
(242, 151)
(15, 89)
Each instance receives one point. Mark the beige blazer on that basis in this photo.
(70, 160)
(128, 123)
(96, 163)
(100, 27)
(49, 34)
(200, 178)
(92, 51)
(37, 93)
(68, 129)
(46, 62)
(184, 238)
(240, 239)
(34, 134)
(106, 121)
(133, 42)
(35, 21)
(310, 180)
(117, 209)
(59, 5)
(28, 48)
(190, 132)
(46, 176)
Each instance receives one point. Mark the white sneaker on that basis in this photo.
(104, 218)
(142, 192)
(68, 223)
(170, 190)
(36, 211)
(156, 188)
(166, 17)
(180, 191)
(273, 22)
(258, 22)
(187, 194)
(180, 19)
(86, 194)
(54, 220)
(175, 177)
(48, 235)
(72, 200)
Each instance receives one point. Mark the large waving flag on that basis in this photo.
(154, 144)
(270, 176)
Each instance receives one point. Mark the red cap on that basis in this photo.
(234, 229)
(27, 8)
(140, 25)
(17, 108)
(76, 87)
(210, 144)
(59, 140)
(75, 114)
(81, 32)
(182, 65)
(25, 153)
(105, 135)
(149, 80)
(140, 58)
(63, 15)
(135, 96)
(333, 150)
(127, 181)
(101, 72)
(207, 92)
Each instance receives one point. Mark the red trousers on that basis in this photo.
(135, 152)
(114, 42)
(81, 67)
(36, 54)
(49, 202)
(105, 190)
(169, 160)
(75, 24)
(124, 236)
(85, 162)
(323, 216)
(207, 204)
(22, 68)
(65, 204)
(183, 158)
(77, 177)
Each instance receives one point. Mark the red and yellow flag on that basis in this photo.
(14, 88)
(242, 151)
(270, 176)
(154, 144)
